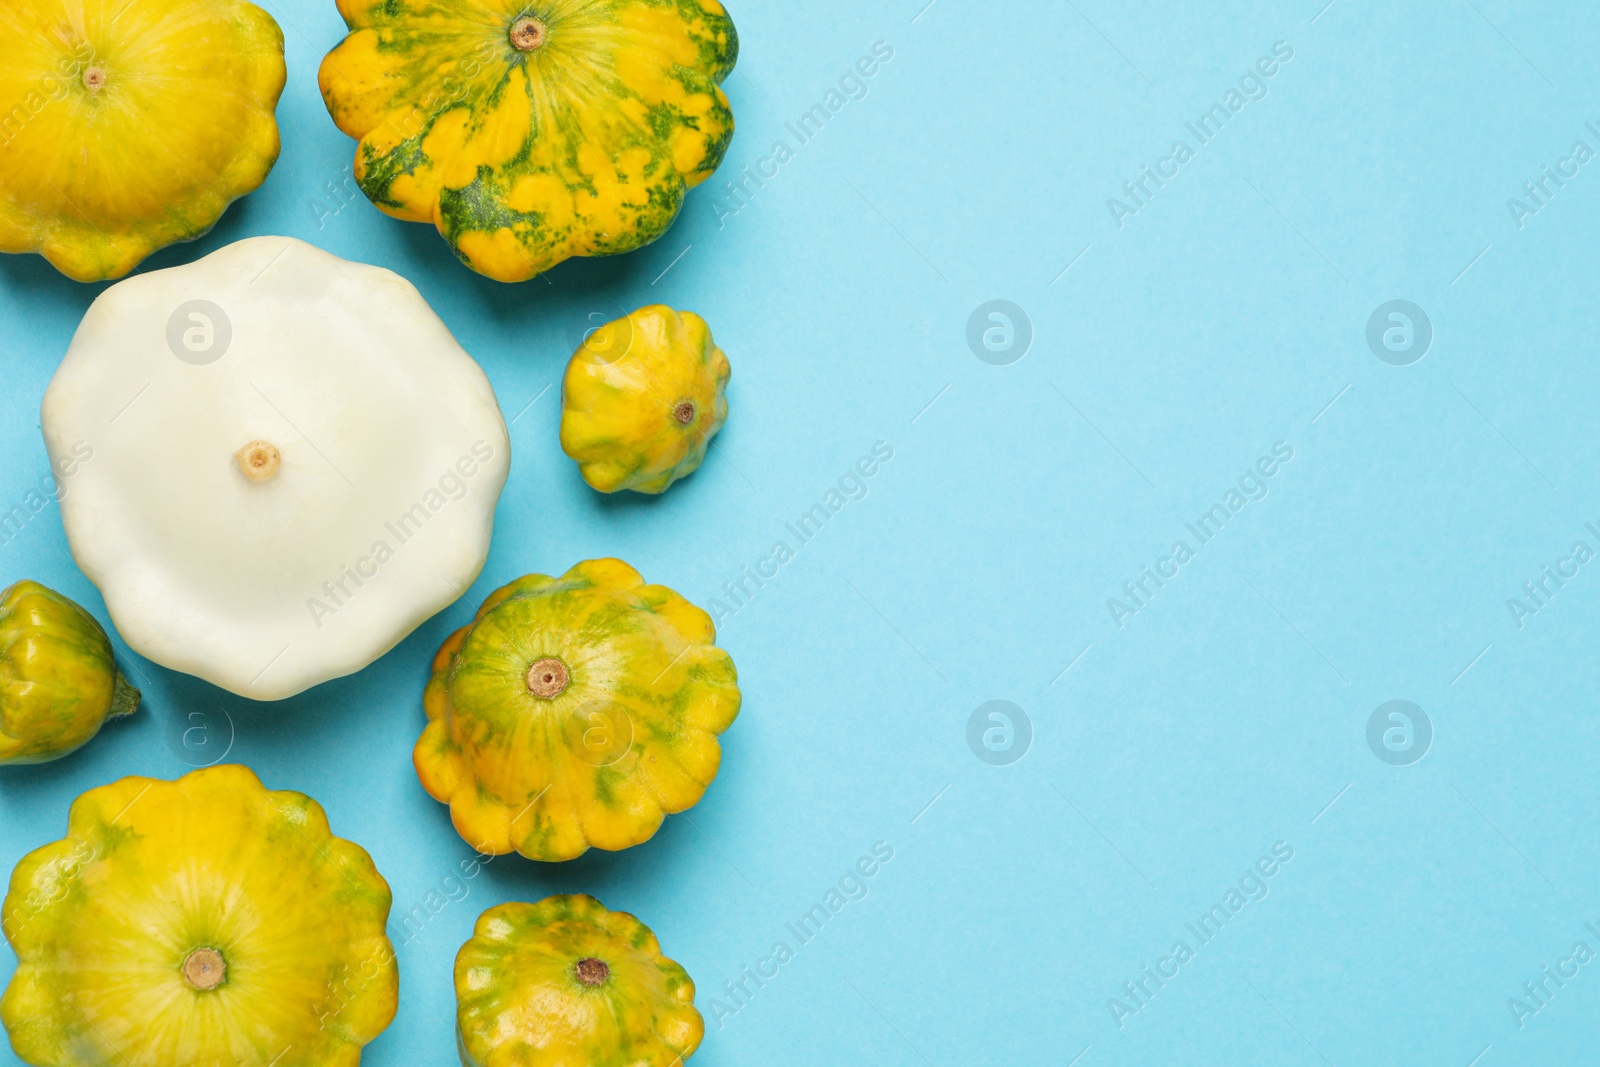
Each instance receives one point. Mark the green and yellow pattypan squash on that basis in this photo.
(528, 131)
(58, 682)
(205, 922)
(575, 711)
(566, 983)
(642, 398)
(131, 125)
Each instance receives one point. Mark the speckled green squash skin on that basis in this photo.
(520, 1001)
(630, 738)
(58, 681)
(583, 146)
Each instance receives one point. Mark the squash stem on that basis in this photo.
(124, 697)
(528, 33)
(592, 972)
(259, 460)
(548, 678)
(205, 969)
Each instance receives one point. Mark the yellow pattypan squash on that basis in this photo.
(642, 398)
(205, 922)
(565, 982)
(132, 125)
(575, 711)
(531, 132)
(58, 682)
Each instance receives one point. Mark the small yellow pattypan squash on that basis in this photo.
(58, 682)
(565, 982)
(132, 125)
(205, 922)
(575, 711)
(531, 132)
(642, 398)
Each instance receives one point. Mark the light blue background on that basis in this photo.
(1230, 713)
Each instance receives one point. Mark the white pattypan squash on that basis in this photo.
(276, 463)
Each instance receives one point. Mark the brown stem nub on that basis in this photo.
(205, 969)
(94, 79)
(592, 972)
(528, 33)
(684, 412)
(259, 460)
(124, 697)
(547, 678)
